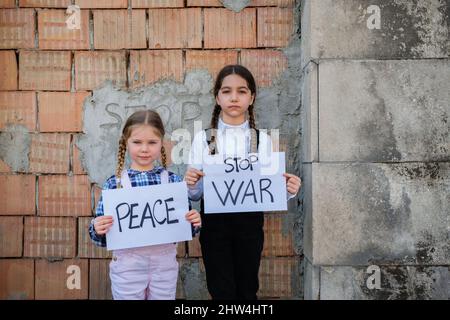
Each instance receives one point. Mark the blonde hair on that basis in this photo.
(144, 117)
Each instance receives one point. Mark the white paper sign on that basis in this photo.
(245, 184)
(147, 215)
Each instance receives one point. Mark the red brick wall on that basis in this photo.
(46, 72)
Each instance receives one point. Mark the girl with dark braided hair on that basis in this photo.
(231, 243)
(148, 272)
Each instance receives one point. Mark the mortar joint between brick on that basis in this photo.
(129, 39)
(91, 30)
(36, 29)
(16, 53)
(256, 26)
(76, 240)
(88, 282)
(34, 278)
(72, 70)
(93, 204)
(71, 146)
(23, 237)
(37, 127)
(36, 196)
(183, 62)
(297, 17)
(203, 26)
(127, 68)
(147, 31)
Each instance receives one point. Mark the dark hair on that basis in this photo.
(143, 117)
(247, 75)
(235, 69)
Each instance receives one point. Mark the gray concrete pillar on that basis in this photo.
(376, 149)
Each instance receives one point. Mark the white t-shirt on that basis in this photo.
(231, 140)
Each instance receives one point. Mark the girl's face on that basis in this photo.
(144, 147)
(234, 98)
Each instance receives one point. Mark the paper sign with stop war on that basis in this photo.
(147, 215)
(248, 183)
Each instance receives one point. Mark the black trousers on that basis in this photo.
(231, 246)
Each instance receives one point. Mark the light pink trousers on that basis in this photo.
(145, 273)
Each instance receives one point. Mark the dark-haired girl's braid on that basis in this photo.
(214, 124)
(163, 157)
(120, 160)
(253, 137)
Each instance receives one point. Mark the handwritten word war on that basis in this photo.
(262, 186)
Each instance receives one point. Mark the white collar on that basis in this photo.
(223, 125)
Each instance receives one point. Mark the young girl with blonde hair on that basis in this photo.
(148, 272)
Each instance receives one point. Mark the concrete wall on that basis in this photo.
(376, 149)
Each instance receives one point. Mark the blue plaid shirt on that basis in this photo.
(137, 179)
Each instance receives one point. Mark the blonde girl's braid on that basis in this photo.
(120, 160)
(214, 124)
(164, 157)
(253, 137)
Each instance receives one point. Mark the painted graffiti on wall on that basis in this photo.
(180, 105)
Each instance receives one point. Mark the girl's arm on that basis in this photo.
(289, 196)
(99, 240)
(293, 184)
(194, 217)
(195, 190)
(266, 147)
